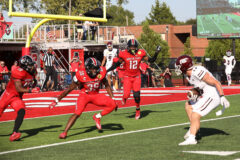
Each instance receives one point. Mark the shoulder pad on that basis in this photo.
(199, 71)
(81, 75)
(141, 52)
(18, 73)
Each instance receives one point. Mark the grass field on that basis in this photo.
(155, 136)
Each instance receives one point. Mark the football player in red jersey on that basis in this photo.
(22, 81)
(132, 57)
(89, 80)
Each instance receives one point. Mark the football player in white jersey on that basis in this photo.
(212, 96)
(229, 62)
(109, 54)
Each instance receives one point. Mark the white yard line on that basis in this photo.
(111, 135)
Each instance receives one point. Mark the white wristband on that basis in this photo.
(56, 100)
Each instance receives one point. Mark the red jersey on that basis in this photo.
(74, 66)
(19, 74)
(132, 62)
(13, 67)
(90, 85)
(144, 66)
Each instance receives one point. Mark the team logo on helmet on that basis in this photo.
(99, 76)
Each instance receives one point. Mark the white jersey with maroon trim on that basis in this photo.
(198, 72)
(229, 63)
(210, 98)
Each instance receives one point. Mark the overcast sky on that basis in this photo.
(181, 9)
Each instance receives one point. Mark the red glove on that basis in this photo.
(52, 105)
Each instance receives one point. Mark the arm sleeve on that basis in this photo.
(114, 66)
(153, 59)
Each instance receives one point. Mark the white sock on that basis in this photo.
(191, 136)
(98, 115)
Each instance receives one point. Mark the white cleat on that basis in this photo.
(189, 141)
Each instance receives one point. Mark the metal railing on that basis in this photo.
(60, 33)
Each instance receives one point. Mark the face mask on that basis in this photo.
(133, 51)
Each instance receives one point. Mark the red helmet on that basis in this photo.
(183, 64)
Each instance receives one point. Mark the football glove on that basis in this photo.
(53, 104)
(158, 49)
(224, 102)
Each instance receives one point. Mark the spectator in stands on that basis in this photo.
(151, 76)
(144, 74)
(79, 25)
(14, 66)
(49, 61)
(167, 78)
(93, 28)
(4, 74)
(75, 64)
(86, 25)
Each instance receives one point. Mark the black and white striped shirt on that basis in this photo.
(49, 59)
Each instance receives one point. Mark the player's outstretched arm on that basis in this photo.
(71, 87)
(153, 59)
(213, 82)
(115, 65)
(20, 88)
(103, 61)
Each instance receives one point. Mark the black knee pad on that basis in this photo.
(136, 96)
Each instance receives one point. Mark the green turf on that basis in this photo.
(220, 135)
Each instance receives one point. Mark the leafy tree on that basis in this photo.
(191, 21)
(119, 17)
(149, 40)
(121, 2)
(187, 48)
(217, 49)
(161, 14)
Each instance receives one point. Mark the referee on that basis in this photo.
(48, 67)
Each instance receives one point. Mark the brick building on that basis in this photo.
(176, 37)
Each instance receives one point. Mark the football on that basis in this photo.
(193, 94)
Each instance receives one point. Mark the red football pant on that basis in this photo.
(14, 101)
(131, 83)
(98, 100)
